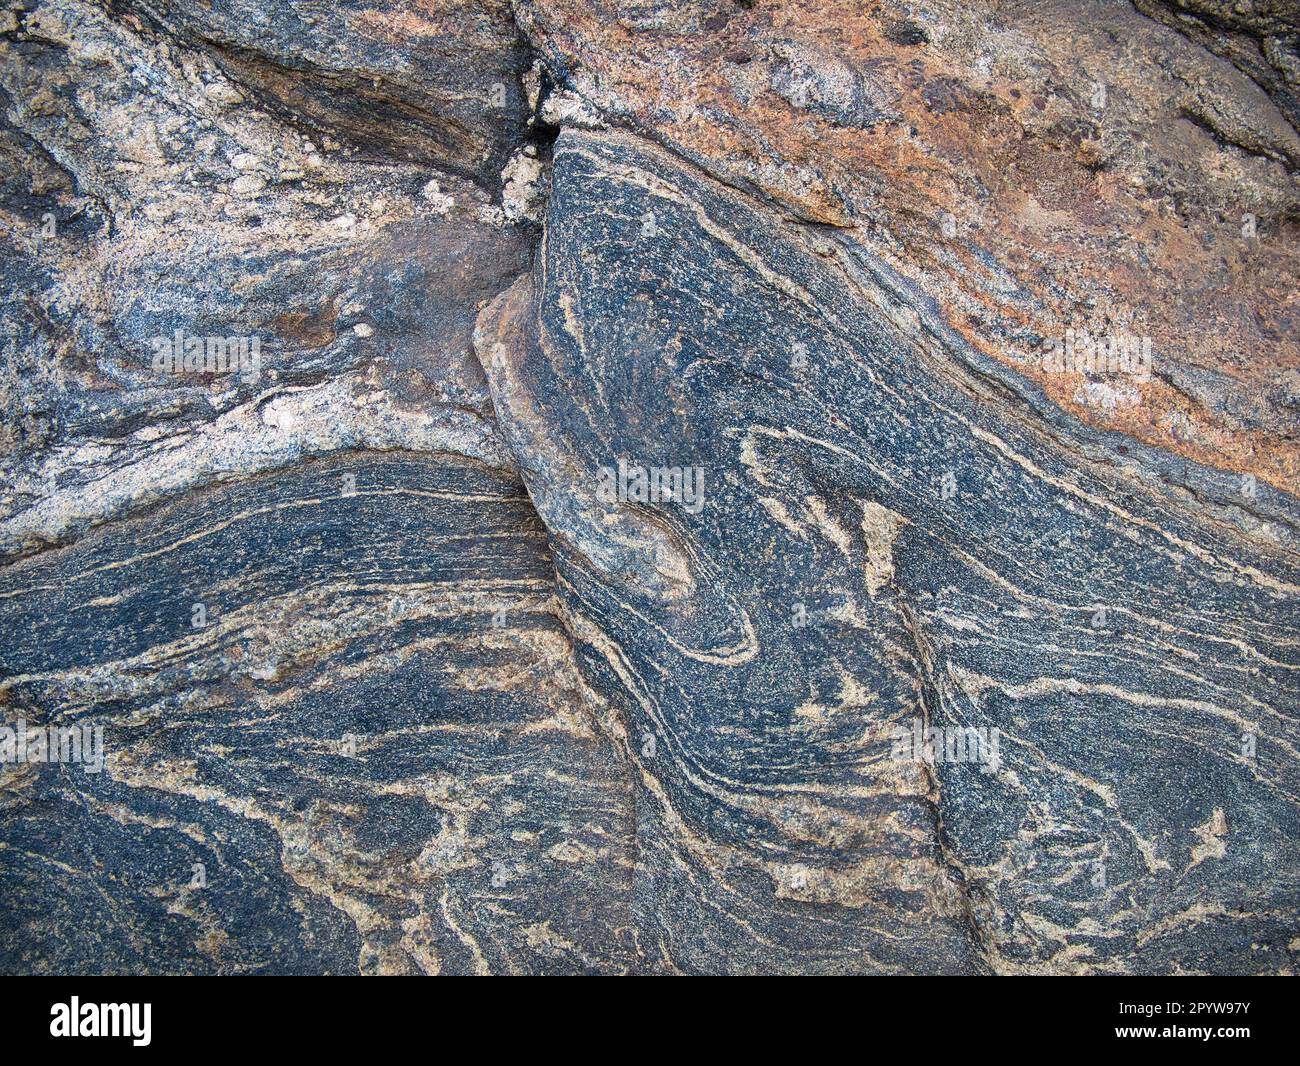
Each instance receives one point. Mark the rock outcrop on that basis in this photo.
(720, 487)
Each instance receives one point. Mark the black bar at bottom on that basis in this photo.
(339, 1015)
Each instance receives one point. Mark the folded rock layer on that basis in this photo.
(887, 538)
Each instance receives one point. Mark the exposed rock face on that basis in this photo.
(344, 766)
(704, 487)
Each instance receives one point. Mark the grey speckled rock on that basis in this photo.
(322, 753)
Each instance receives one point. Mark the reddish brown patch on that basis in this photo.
(307, 329)
(1059, 221)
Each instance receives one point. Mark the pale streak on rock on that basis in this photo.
(276, 430)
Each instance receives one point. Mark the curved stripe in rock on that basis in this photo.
(661, 341)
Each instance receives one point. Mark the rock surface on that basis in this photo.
(398, 668)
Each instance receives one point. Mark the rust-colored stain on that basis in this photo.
(1007, 185)
(310, 329)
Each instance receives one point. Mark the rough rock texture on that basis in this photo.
(387, 681)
